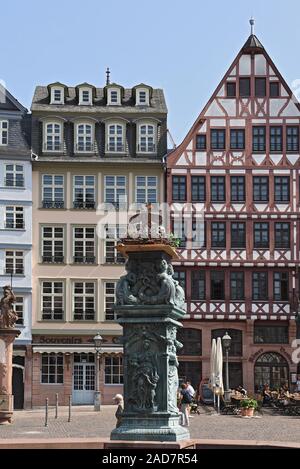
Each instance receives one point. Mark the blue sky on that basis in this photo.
(184, 47)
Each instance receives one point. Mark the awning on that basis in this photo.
(78, 349)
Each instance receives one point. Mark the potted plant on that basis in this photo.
(248, 406)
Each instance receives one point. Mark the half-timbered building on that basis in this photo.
(233, 184)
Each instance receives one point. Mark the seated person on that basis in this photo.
(267, 395)
(242, 391)
(284, 391)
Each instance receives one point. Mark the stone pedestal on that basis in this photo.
(7, 337)
(150, 346)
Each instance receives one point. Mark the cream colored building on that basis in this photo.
(91, 146)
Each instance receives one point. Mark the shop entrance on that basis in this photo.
(272, 369)
(83, 378)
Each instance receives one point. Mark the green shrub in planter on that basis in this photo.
(249, 403)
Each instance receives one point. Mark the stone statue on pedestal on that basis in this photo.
(8, 317)
(8, 333)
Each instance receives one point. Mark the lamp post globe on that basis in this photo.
(98, 342)
(226, 341)
(97, 396)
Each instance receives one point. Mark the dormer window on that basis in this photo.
(142, 97)
(114, 97)
(53, 137)
(115, 137)
(85, 96)
(57, 96)
(3, 132)
(146, 138)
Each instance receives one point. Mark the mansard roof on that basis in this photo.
(40, 102)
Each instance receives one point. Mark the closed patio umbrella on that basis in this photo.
(212, 378)
(219, 389)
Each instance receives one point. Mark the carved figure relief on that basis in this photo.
(144, 378)
(149, 283)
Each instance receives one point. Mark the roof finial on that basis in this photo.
(107, 76)
(252, 22)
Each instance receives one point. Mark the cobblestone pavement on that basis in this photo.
(87, 423)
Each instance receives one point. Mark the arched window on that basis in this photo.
(53, 136)
(236, 348)
(84, 137)
(115, 138)
(146, 138)
(270, 368)
(191, 340)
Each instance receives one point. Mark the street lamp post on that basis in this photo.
(226, 340)
(97, 396)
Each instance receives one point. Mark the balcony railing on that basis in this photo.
(15, 226)
(84, 259)
(14, 271)
(14, 182)
(150, 148)
(85, 147)
(116, 148)
(114, 259)
(53, 259)
(81, 315)
(53, 147)
(52, 315)
(88, 204)
(117, 204)
(53, 204)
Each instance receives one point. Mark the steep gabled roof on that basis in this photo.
(251, 46)
(9, 102)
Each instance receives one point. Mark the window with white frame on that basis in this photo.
(115, 138)
(113, 234)
(113, 370)
(52, 371)
(109, 298)
(14, 217)
(53, 244)
(3, 132)
(14, 262)
(57, 95)
(114, 96)
(84, 137)
(84, 301)
(146, 138)
(14, 175)
(85, 96)
(115, 190)
(18, 307)
(53, 190)
(52, 300)
(84, 191)
(146, 189)
(53, 136)
(142, 97)
(84, 245)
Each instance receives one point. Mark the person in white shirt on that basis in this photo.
(190, 389)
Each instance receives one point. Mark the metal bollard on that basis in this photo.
(56, 405)
(70, 407)
(46, 412)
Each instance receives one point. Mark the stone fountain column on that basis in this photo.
(7, 336)
(149, 306)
